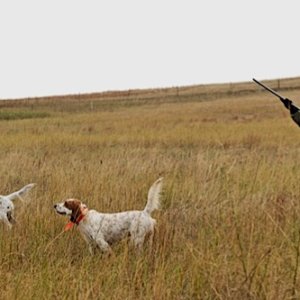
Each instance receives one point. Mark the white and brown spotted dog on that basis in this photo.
(7, 206)
(101, 230)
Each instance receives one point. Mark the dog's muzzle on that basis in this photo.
(58, 211)
(10, 217)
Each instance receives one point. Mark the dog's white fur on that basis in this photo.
(7, 206)
(101, 230)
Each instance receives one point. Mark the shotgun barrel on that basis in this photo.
(294, 110)
(268, 89)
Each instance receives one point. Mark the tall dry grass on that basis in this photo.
(229, 225)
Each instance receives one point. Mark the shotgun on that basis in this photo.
(294, 110)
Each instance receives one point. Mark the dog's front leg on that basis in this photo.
(104, 246)
(7, 223)
(91, 248)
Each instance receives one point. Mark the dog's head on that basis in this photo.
(7, 209)
(71, 207)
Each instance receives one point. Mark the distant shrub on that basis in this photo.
(15, 115)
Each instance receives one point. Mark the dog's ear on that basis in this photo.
(75, 206)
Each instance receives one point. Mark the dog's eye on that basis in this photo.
(7, 207)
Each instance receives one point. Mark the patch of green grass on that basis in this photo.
(19, 115)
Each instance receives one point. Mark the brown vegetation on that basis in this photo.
(229, 224)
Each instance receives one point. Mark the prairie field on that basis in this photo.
(229, 223)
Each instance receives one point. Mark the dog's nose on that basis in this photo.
(55, 205)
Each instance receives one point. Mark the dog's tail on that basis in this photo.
(154, 196)
(18, 194)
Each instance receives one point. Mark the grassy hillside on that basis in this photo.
(229, 227)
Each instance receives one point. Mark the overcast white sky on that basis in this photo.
(50, 47)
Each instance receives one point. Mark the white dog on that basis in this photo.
(100, 230)
(7, 206)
